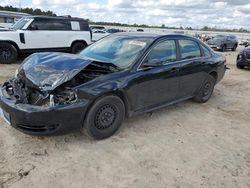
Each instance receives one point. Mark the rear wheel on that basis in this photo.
(104, 117)
(206, 90)
(78, 47)
(234, 48)
(8, 53)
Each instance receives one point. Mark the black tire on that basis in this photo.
(240, 66)
(206, 90)
(78, 47)
(104, 117)
(223, 48)
(234, 48)
(8, 53)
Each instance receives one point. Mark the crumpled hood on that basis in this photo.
(49, 70)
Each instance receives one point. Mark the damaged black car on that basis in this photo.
(122, 75)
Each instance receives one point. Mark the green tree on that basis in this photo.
(28, 10)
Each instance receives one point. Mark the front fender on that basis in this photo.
(11, 37)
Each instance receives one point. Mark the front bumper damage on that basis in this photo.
(43, 98)
(40, 120)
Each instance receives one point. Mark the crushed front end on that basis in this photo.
(43, 98)
(30, 112)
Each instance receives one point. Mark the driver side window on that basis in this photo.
(162, 53)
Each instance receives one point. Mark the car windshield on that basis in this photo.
(121, 51)
(20, 23)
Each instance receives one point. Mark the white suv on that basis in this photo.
(43, 33)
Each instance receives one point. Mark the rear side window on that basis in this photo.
(75, 25)
(206, 51)
(84, 26)
(51, 24)
(189, 49)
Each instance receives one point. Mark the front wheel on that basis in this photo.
(223, 48)
(206, 90)
(104, 117)
(8, 53)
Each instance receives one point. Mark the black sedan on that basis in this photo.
(122, 75)
(243, 58)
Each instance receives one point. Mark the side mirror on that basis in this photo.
(152, 63)
(33, 27)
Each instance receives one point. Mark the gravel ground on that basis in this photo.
(184, 145)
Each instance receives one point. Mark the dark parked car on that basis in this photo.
(114, 30)
(119, 76)
(223, 42)
(140, 30)
(243, 58)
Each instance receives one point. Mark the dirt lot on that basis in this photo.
(185, 145)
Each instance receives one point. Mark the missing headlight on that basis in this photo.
(64, 97)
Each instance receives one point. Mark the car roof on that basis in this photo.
(58, 17)
(226, 35)
(153, 35)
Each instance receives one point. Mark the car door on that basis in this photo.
(48, 33)
(193, 67)
(229, 42)
(157, 84)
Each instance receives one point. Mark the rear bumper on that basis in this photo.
(221, 72)
(36, 120)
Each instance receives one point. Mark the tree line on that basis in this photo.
(38, 11)
(31, 11)
(241, 30)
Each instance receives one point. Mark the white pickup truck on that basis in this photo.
(44, 33)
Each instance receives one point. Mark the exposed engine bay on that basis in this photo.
(23, 91)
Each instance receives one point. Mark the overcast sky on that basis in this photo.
(194, 13)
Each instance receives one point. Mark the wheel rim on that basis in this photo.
(105, 117)
(207, 89)
(5, 53)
